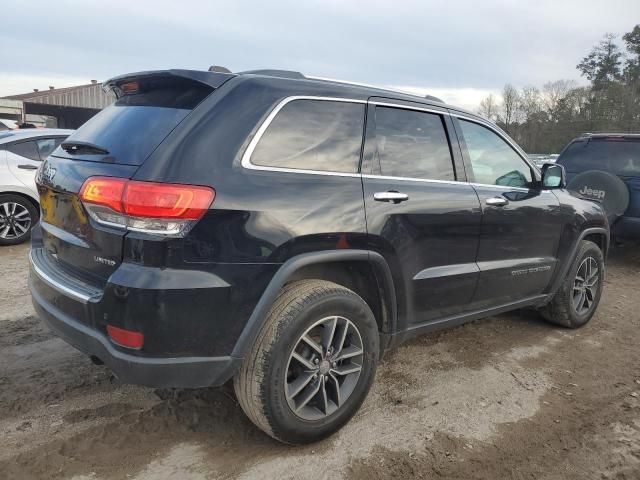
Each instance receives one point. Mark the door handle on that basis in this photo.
(391, 196)
(496, 201)
(28, 167)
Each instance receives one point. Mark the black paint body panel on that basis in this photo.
(440, 258)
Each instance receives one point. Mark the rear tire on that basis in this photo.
(299, 344)
(577, 299)
(17, 217)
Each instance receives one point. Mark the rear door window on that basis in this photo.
(412, 144)
(307, 134)
(620, 157)
(25, 149)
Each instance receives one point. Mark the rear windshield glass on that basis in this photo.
(131, 129)
(620, 157)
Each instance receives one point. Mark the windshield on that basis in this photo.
(618, 156)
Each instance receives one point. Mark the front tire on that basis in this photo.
(312, 363)
(17, 217)
(577, 299)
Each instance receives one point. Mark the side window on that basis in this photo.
(313, 135)
(48, 145)
(25, 149)
(412, 144)
(493, 161)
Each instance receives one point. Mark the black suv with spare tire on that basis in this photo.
(285, 231)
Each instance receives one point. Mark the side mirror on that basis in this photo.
(553, 176)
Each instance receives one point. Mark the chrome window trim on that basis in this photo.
(55, 285)
(488, 125)
(507, 187)
(246, 157)
(453, 182)
(413, 179)
(409, 107)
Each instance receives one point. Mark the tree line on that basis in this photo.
(543, 120)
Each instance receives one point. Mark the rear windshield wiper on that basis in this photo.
(83, 147)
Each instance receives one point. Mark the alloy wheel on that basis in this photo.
(15, 220)
(323, 368)
(585, 285)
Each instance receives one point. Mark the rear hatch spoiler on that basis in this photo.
(212, 79)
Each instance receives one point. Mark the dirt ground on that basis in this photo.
(504, 398)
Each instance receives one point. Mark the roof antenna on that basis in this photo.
(219, 69)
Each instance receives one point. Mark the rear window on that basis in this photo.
(138, 121)
(620, 157)
(319, 135)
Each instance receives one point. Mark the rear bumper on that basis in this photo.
(157, 372)
(627, 228)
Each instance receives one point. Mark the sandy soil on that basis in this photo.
(508, 397)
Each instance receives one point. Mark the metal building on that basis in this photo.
(63, 107)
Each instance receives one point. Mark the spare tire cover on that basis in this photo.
(604, 187)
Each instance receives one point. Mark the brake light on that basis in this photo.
(158, 200)
(130, 88)
(160, 208)
(104, 191)
(125, 338)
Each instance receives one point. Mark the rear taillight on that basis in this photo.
(156, 208)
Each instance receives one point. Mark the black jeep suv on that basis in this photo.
(606, 167)
(285, 231)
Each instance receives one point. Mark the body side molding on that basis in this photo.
(447, 270)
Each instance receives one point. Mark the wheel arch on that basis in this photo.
(365, 272)
(598, 235)
(599, 238)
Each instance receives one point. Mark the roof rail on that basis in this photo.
(275, 73)
(610, 134)
(377, 87)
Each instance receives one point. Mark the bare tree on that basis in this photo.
(510, 105)
(553, 94)
(489, 108)
(531, 103)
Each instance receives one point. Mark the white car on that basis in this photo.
(21, 153)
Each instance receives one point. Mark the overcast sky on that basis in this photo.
(460, 50)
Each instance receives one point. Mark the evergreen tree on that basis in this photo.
(602, 65)
(632, 64)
